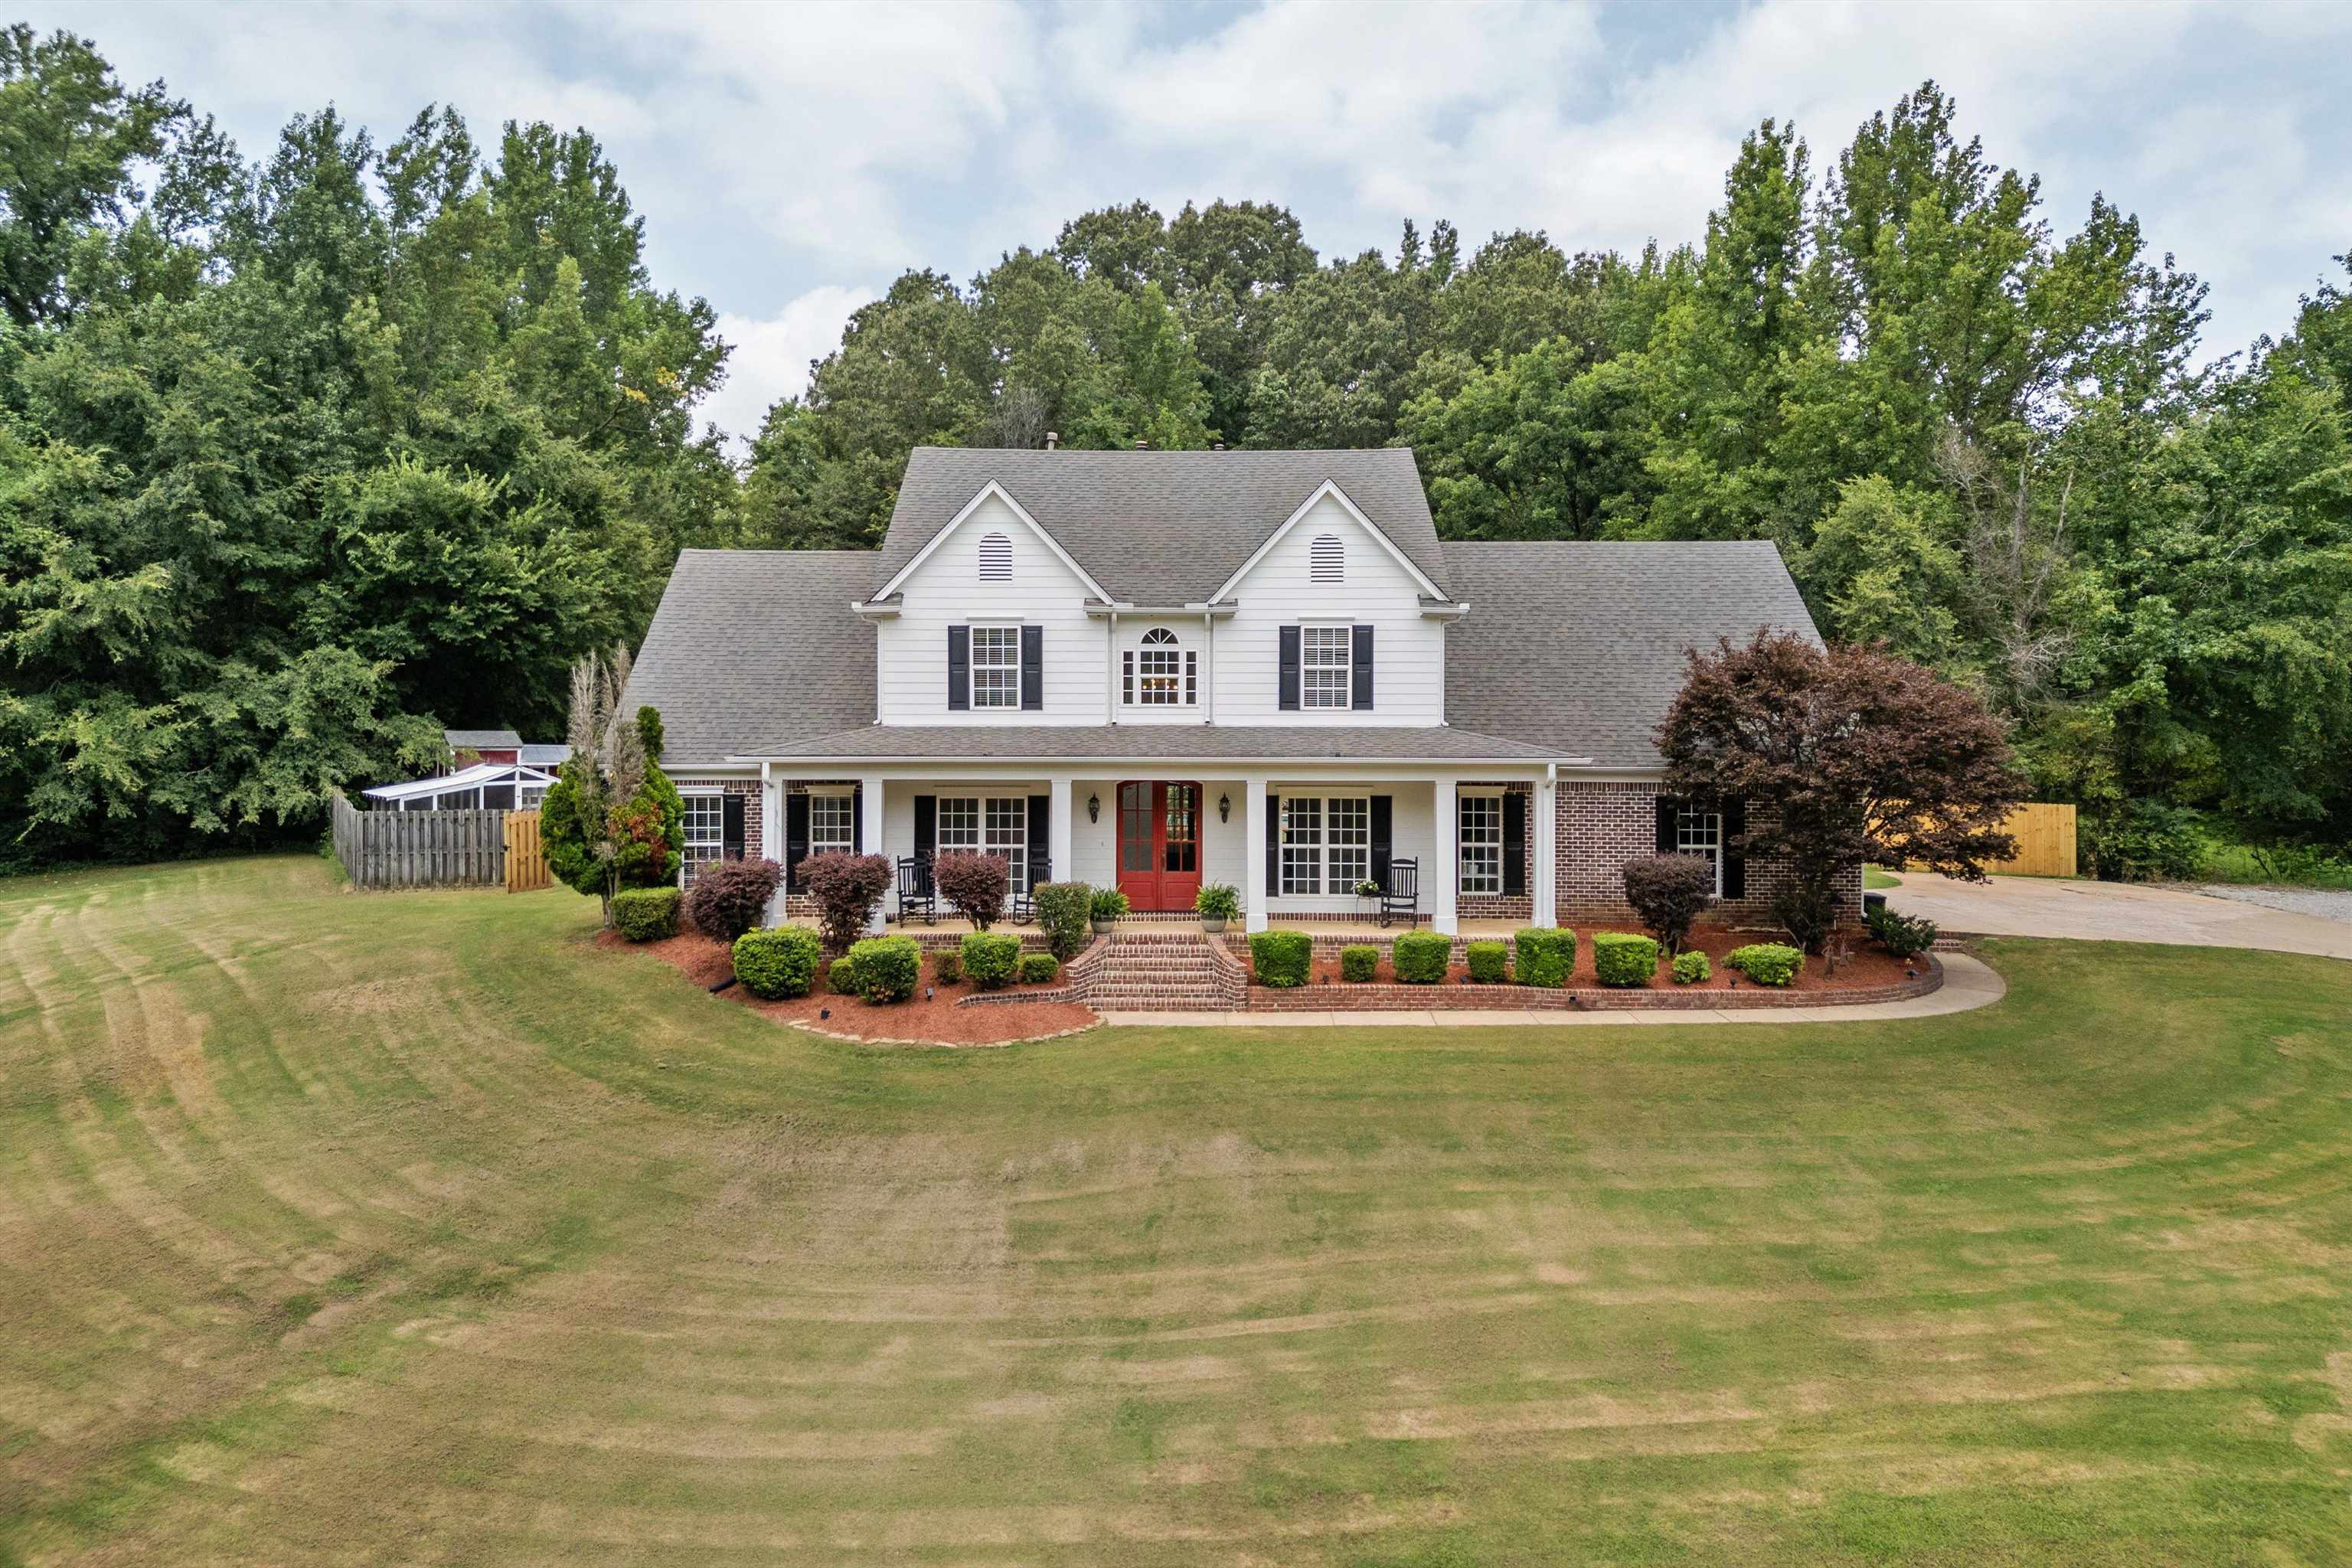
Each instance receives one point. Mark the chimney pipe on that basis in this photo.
(1051, 436)
(1142, 445)
(1217, 445)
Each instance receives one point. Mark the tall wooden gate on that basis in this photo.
(526, 856)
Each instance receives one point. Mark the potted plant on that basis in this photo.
(1216, 903)
(1106, 909)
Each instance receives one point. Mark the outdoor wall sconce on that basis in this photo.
(1224, 808)
(1094, 808)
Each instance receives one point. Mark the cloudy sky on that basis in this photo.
(791, 159)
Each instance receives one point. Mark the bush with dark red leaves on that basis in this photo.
(974, 884)
(1669, 892)
(730, 897)
(847, 888)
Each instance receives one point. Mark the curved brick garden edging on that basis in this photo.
(1395, 998)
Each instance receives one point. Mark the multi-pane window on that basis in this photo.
(996, 667)
(1701, 833)
(1327, 844)
(705, 835)
(532, 797)
(1159, 675)
(1481, 843)
(993, 824)
(833, 822)
(1323, 665)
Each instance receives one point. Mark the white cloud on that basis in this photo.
(771, 354)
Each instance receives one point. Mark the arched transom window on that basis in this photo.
(995, 558)
(1326, 560)
(1159, 674)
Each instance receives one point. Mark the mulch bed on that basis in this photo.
(936, 1022)
(1869, 969)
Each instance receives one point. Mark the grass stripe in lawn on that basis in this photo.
(392, 1227)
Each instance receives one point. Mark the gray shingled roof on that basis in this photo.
(1159, 528)
(540, 755)
(1579, 645)
(750, 645)
(476, 740)
(1019, 742)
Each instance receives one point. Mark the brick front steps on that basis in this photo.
(1146, 971)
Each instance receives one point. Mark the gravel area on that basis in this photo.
(2326, 903)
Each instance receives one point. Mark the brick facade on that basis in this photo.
(1601, 826)
(754, 806)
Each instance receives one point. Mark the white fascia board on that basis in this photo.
(872, 611)
(1129, 767)
(993, 489)
(1329, 488)
(1221, 611)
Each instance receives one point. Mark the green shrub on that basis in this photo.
(1489, 962)
(1767, 962)
(1062, 914)
(1691, 967)
(841, 975)
(1039, 968)
(645, 914)
(1620, 958)
(947, 967)
(1902, 935)
(1359, 962)
(1280, 958)
(1542, 956)
(1217, 902)
(1108, 904)
(990, 958)
(1420, 957)
(888, 968)
(780, 961)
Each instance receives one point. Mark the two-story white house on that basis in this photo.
(1153, 669)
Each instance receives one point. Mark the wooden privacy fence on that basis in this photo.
(2045, 841)
(526, 857)
(473, 847)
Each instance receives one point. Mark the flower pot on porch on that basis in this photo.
(1103, 927)
(1213, 925)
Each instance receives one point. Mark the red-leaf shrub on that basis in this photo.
(1670, 891)
(974, 884)
(730, 897)
(847, 888)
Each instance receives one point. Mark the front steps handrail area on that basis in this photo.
(1151, 966)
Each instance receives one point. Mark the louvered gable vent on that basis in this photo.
(1326, 560)
(995, 558)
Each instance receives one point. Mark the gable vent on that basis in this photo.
(1326, 560)
(995, 558)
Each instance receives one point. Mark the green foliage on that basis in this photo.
(2141, 840)
(1489, 962)
(1359, 962)
(990, 958)
(1620, 958)
(888, 968)
(1421, 957)
(841, 975)
(779, 961)
(1767, 962)
(1691, 967)
(1064, 911)
(1039, 968)
(645, 914)
(611, 819)
(947, 967)
(1281, 958)
(1902, 935)
(1218, 901)
(1108, 904)
(1543, 955)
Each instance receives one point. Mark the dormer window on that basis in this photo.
(995, 558)
(1326, 560)
(1159, 674)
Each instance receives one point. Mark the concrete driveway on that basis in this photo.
(2113, 911)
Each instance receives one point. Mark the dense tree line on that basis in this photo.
(305, 455)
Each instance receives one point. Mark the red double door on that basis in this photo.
(1158, 844)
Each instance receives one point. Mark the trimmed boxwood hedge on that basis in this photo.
(1620, 958)
(1767, 962)
(645, 914)
(1691, 967)
(1280, 958)
(778, 962)
(1039, 968)
(888, 968)
(1359, 962)
(1543, 957)
(1064, 915)
(1488, 962)
(841, 974)
(947, 967)
(1420, 957)
(990, 958)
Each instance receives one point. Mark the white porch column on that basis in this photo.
(772, 791)
(1444, 878)
(1059, 828)
(1546, 882)
(869, 836)
(1255, 892)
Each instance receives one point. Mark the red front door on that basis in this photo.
(1160, 843)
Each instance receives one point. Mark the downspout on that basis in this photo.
(1110, 667)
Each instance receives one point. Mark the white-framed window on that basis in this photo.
(990, 825)
(1326, 842)
(996, 667)
(995, 558)
(1325, 661)
(1701, 833)
(529, 796)
(706, 833)
(832, 820)
(1326, 560)
(1481, 842)
(1160, 675)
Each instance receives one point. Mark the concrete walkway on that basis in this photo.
(2113, 911)
(1967, 983)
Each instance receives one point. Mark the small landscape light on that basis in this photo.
(928, 993)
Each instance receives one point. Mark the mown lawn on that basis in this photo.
(415, 1229)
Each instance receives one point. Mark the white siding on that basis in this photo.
(910, 655)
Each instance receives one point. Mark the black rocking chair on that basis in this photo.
(1401, 894)
(918, 890)
(1025, 899)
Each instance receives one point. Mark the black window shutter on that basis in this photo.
(1041, 831)
(857, 819)
(927, 824)
(1287, 685)
(1384, 838)
(959, 669)
(795, 840)
(1735, 862)
(1274, 837)
(1032, 667)
(1669, 814)
(1360, 655)
(730, 827)
(1515, 843)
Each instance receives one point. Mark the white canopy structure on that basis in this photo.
(514, 785)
